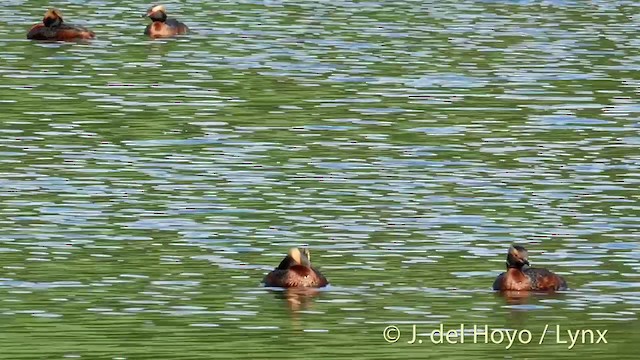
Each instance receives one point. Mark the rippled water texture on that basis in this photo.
(148, 186)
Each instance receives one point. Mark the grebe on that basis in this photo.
(162, 26)
(295, 270)
(520, 277)
(53, 28)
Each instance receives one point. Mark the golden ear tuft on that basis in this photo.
(306, 253)
(296, 255)
(53, 13)
(157, 8)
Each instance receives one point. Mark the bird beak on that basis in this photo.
(147, 14)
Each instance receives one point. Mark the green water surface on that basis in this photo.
(148, 186)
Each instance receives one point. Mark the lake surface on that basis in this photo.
(148, 186)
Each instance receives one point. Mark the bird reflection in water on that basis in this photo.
(514, 297)
(299, 298)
